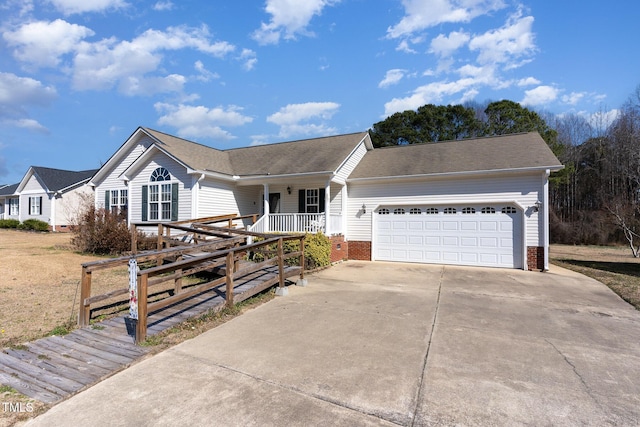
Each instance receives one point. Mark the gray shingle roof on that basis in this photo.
(8, 190)
(58, 179)
(305, 156)
(516, 151)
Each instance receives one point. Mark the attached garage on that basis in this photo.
(479, 202)
(477, 235)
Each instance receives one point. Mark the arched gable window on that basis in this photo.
(160, 174)
(160, 201)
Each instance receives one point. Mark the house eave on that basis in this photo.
(268, 178)
(458, 174)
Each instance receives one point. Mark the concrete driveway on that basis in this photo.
(394, 344)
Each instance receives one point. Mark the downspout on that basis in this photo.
(545, 219)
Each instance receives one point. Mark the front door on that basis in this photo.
(274, 202)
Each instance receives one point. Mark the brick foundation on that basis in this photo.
(360, 250)
(339, 248)
(535, 257)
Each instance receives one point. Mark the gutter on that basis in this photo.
(455, 174)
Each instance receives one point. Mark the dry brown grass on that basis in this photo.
(614, 266)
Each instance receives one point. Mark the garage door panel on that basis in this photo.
(470, 238)
(471, 242)
(450, 225)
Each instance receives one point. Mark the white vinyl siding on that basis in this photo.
(523, 189)
(113, 181)
(347, 167)
(141, 178)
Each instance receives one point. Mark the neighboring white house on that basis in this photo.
(46, 194)
(472, 202)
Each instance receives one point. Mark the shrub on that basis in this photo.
(9, 223)
(317, 251)
(34, 224)
(99, 231)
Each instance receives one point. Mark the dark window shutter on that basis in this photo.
(321, 200)
(302, 201)
(30, 204)
(145, 202)
(107, 199)
(174, 201)
(40, 206)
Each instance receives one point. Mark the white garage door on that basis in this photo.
(482, 235)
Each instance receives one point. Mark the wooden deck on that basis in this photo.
(52, 368)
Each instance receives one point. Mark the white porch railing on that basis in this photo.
(297, 223)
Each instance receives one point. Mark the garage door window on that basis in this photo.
(431, 211)
(488, 210)
(399, 211)
(449, 210)
(415, 211)
(468, 210)
(508, 210)
(383, 211)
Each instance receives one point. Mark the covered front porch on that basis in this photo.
(303, 207)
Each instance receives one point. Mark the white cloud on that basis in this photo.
(248, 57)
(392, 77)
(446, 45)
(204, 75)
(540, 95)
(17, 94)
(288, 19)
(70, 7)
(200, 121)
(512, 41)
(423, 14)
(17, 91)
(431, 93)
(42, 43)
(163, 5)
(107, 63)
(403, 46)
(294, 119)
(529, 81)
(573, 98)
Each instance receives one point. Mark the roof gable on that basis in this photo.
(498, 153)
(56, 180)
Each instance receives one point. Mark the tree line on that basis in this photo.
(595, 199)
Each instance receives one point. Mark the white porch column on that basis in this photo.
(327, 208)
(344, 200)
(53, 212)
(265, 204)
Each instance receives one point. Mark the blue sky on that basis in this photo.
(77, 77)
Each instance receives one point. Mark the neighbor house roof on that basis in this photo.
(8, 190)
(55, 180)
(316, 155)
(498, 153)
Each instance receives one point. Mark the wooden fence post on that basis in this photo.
(229, 269)
(85, 292)
(281, 262)
(141, 326)
(134, 239)
(178, 282)
(160, 235)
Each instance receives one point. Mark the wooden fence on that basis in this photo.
(223, 253)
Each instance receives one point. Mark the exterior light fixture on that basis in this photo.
(536, 207)
(289, 189)
(364, 208)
